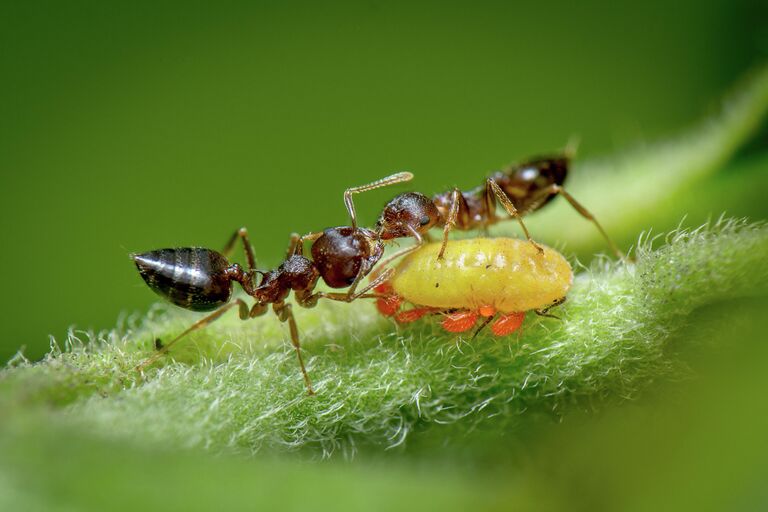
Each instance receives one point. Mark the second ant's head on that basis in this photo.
(410, 209)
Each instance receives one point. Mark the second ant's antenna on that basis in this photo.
(398, 177)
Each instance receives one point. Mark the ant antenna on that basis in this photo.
(398, 177)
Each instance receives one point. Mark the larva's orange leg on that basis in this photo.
(412, 315)
(487, 311)
(460, 322)
(507, 324)
(388, 306)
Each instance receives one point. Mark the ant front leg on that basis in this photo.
(242, 234)
(383, 182)
(491, 187)
(557, 189)
(284, 312)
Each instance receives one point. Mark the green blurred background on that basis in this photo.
(128, 127)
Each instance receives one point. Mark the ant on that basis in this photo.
(521, 189)
(202, 279)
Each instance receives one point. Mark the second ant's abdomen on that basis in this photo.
(191, 277)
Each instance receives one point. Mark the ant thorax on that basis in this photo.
(296, 273)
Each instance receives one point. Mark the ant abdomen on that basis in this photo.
(190, 277)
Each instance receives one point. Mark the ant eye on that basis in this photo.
(424, 220)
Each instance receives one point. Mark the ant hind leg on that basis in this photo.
(557, 189)
(162, 349)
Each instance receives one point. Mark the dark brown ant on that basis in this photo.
(521, 189)
(202, 279)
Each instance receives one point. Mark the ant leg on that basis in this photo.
(241, 233)
(284, 312)
(346, 297)
(545, 311)
(492, 186)
(244, 313)
(296, 245)
(453, 214)
(587, 215)
(398, 177)
(557, 189)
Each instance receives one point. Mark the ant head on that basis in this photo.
(340, 252)
(412, 210)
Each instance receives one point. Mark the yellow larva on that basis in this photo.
(506, 273)
(495, 278)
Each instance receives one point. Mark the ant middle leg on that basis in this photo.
(491, 187)
(392, 179)
(284, 313)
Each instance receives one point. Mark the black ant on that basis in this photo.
(202, 279)
(521, 189)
